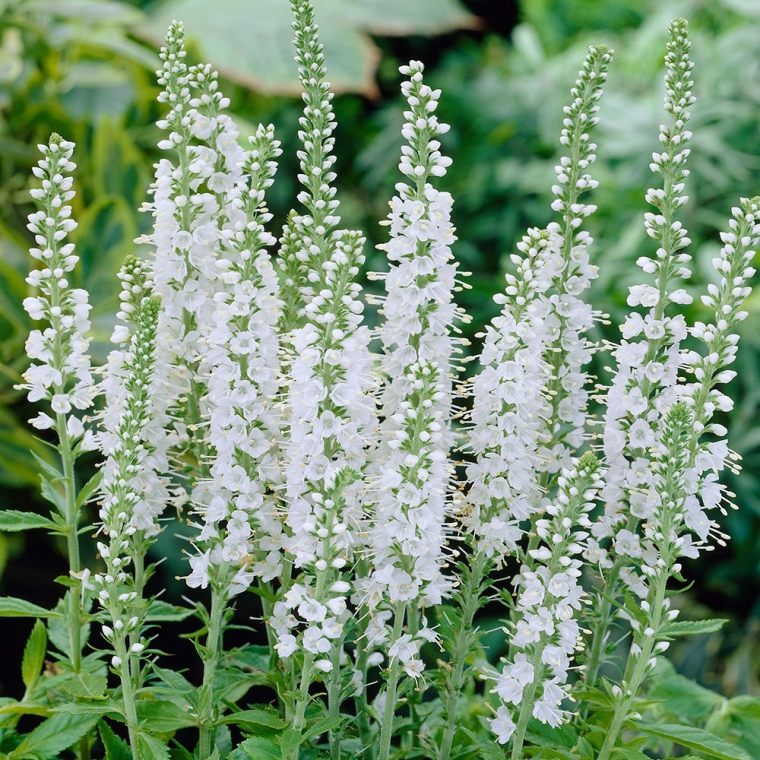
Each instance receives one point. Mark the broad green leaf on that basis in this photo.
(34, 655)
(89, 11)
(89, 488)
(53, 736)
(116, 748)
(97, 709)
(684, 698)
(164, 612)
(18, 450)
(89, 685)
(251, 42)
(623, 753)
(12, 520)
(692, 627)
(150, 748)
(105, 235)
(118, 167)
(257, 717)
(161, 716)
(12, 607)
(697, 739)
(260, 748)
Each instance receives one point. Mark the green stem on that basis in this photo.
(210, 664)
(299, 718)
(360, 704)
(333, 697)
(633, 685)
(470, 602)
(72, 543)
(128, 694)
(526, 710)
(386, 731)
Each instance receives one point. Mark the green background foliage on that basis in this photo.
(84, 68)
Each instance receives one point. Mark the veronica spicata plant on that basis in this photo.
(368, 495)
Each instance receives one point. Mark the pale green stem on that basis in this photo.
(299, 719)
(210, 664)
(456, 678)
(127, 690)
(386, 731)
(526, 710)
(633, 685)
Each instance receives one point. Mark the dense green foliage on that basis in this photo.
(94, 83)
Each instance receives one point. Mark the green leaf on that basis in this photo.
(89, 11)
(47, 468)
(623, 753)
(34, 655)
(697, 739)
(683, 698)
(13, 520)
(161, 716)
(89, 685)
(53, 736)
(89, 488)
(97, 709)
(25, 708)
(692, 627)
(164, 612)
(260, 748)
(12, 607)
(322, 727)
(116, 748)
(150, 748)
(257, 717)
(254, 47)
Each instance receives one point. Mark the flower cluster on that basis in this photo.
(242, 354)
(331, 419)
(547, 633)
(407, 531)
(122, 511)
(60, 371)
(509, 400)
(648, 357)
(568, 350)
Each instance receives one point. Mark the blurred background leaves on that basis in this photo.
(85, 69)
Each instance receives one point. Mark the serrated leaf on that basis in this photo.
(13, 520)
(53, 736)
(684, 698)
(98, 709)
(150, 748)
(25, 708)
(257, 717)
(260, 748)
(251, 42)
(116, 748)
(162, 716)
(322, 727)
(34, 654)
(695, 738)
(12, 607)
(692, 627)
(164, 612)
(88, 685)
(623, 753)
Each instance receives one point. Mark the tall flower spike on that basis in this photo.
(60, 372)
(509, 401)
(418, 310)
(569, 350)
(702, 394)
(331, 419)
(546, 634)
(648, 356)
(241, 535)
(119, 592)
(148, 480)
